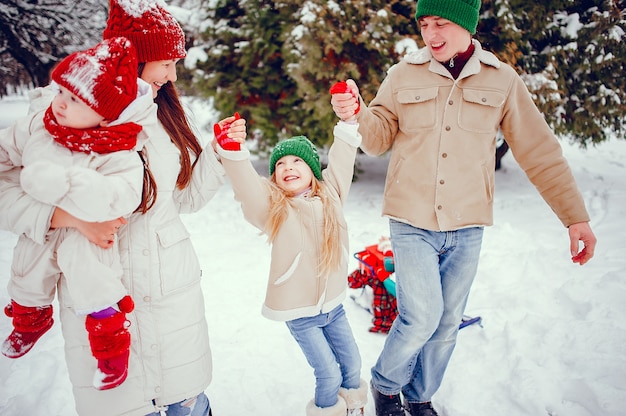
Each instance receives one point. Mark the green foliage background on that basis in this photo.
(275, 61)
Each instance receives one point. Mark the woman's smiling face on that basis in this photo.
(159, 73)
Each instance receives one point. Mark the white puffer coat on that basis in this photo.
(170, 356)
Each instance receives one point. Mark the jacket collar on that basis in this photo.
(423, 56)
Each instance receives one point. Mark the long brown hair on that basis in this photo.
(331, 248)
(172, 116)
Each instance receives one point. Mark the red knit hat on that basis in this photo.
(153, 31)
(104, 77)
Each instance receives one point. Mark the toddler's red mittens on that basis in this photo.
(221, 135)
(341, 87)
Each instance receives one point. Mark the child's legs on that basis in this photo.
(309, 334)
(34, 272)
(339, 335)
(93, 274)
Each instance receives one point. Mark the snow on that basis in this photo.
(552, 336)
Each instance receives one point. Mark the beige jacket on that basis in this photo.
(442, 136)
(295, 287)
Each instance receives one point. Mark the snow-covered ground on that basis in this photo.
(552, 337)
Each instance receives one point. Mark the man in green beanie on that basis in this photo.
(438, 111)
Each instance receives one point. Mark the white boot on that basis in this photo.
(356, 399)
(339, 409)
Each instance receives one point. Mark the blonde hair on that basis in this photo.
(331, 248)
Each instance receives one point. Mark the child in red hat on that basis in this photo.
(80, 154)
(170, 364)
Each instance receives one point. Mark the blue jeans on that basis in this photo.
(434, 274)
(330, 348)
(197, 406)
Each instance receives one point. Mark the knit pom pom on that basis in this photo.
(126, 305)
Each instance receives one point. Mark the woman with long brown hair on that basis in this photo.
(170, 357)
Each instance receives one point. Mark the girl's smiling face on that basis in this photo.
(293, 175)
(444, 39)
(159, 73)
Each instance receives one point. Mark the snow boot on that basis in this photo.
(385, 404)
(110, 344)
(356, 399)
(29, 323)
(339, 409)
(420, 409)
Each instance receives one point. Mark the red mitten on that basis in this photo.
(221, 135)
(126, 304)
(341, 87)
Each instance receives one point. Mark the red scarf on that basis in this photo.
(99, 140)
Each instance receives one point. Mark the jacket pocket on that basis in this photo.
(417, 109)
(178, 263)
(481, 111)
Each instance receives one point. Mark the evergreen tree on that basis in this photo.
(244, 68)
(275, 61)
(35, 35)
(569, 54)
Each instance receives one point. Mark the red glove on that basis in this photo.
(222, 136)
(341, 87)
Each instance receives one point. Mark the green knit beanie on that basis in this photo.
(297, 146)
(462, 12)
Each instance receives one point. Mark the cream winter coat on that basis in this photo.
(170, 357)
(93, 187)
(442, 133)
(296, 288)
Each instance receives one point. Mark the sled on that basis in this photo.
(376, 269)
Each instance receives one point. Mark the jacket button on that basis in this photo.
(439, 207)
(441, 182)
(450, 102)
(146, 299)
(484, 100)
(447, 128)
(417, 98)
(444, 155)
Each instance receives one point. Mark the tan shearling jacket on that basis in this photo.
(442, 134)
(295, 287)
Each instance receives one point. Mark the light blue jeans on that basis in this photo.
(434, 274)
(329, 347)
(197, 406)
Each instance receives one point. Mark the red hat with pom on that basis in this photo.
(104, 77)
(153, 31)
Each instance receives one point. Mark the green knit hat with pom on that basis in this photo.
(297, 146)
(462, 12)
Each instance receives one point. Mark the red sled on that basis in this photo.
(375, 270)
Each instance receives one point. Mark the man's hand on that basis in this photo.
(345, 104)
(581, 232)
